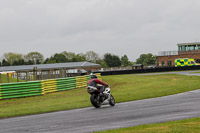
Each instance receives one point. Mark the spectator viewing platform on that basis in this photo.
(188, 46)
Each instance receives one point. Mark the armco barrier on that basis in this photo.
(0, 92)
(49, 86)
(66, 83)
(13, 90)
(81, 81)
(34, 88)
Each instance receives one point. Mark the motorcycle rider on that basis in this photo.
(94, 81)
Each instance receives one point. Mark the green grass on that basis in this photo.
(11, 80)
(65, 100)
(136, 87)
(123, 87)
(181, 126)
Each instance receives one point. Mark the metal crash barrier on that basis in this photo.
(34, 88)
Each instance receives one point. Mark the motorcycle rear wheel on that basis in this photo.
(112, 101)
(95, 101)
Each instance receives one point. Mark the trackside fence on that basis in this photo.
(22, 89)
(35, 88)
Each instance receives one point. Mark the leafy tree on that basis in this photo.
(125, 61)
(103, 64)
(57, 58)
(12, 57)
(5, 63)
(30, 62)
(50, 60)
(79, 57)
(70, 56)
(19, 62)
(108, 59)
(92, 56)
(35, 57)
(146, 59)
(60, 58)
(112, 60)
(46, 61)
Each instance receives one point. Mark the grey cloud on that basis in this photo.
(131, 27)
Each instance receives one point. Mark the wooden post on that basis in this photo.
(55, 73)
(35, 73)
(48, 74)
(41, 75)
(30, 76)
(8, 80)
(26, 76)
(17, 76)
(61, 71)
(65, 74)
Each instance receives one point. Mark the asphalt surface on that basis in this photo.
(174, 107)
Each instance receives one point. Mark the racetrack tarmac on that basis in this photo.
(174, 107)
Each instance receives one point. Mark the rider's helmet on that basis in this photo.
(93, 76)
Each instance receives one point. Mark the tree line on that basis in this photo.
(108, 59)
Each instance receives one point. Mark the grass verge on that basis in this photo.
(137, 87)
(181, 126)
(11, 80)
(124, 88)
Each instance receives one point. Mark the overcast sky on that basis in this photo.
(130, 27)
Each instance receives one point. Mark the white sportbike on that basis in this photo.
(97, 98)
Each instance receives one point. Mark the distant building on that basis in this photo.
(49, 71)
(137, 66)
(185, 50)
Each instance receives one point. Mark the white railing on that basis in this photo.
(167, 53)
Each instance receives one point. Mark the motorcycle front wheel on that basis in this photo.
(95, 101)
(112, 101)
